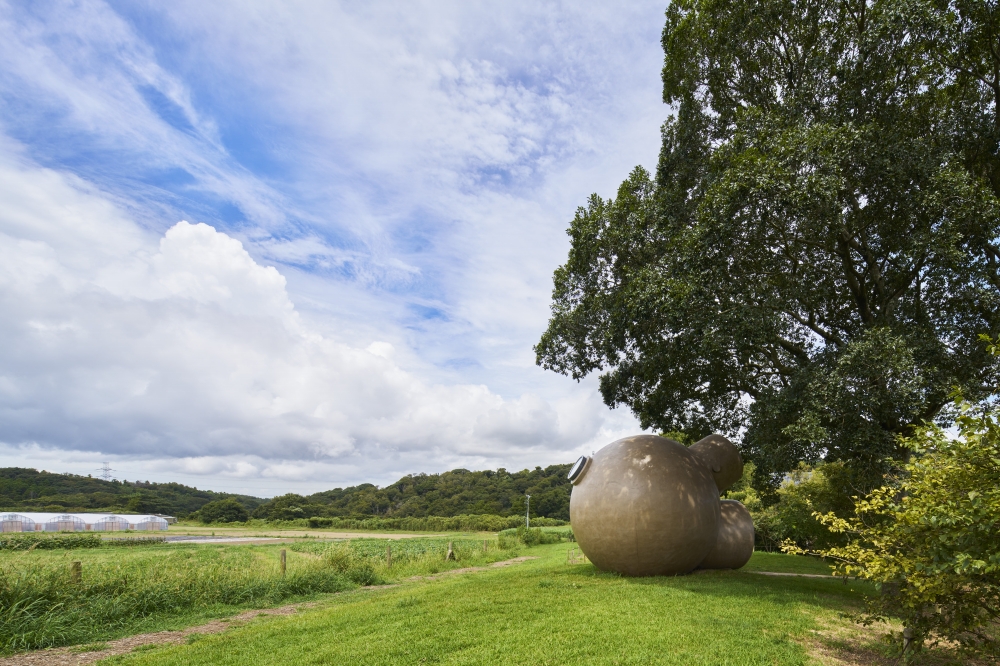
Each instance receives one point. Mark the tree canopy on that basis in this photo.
(454, 493)
(812, 264)
(32, 490)
(223, 511)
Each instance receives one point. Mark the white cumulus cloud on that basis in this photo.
(184, 347)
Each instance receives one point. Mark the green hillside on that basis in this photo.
(31, 490)
(454, 493)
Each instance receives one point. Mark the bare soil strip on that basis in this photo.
(452, 572)
(224, 533)
(239, 540)
(72, 656)
(799, 575)
(840, 642)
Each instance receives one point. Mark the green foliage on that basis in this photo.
(680, 437)
(431, 523)
(808, 490)
(31, 490)
(132, 542)
(353, 565)
(223, 511)
(534, 536)
(366, 559)
(930, 537)
(35, 541)
(30, 540)
(40, 605)
(817, 253)
(458, 493)
(455, 493)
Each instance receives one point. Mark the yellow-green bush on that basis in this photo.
(929, 537)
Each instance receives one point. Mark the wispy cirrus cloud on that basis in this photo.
(405, 171)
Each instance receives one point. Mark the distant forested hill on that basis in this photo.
(31, 490)
(454, 493)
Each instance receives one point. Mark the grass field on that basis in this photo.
(546, 612)
(163, 586)
(541, 611)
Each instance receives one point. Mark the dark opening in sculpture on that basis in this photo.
(649, 506)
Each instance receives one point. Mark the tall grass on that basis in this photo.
(534, 536)
(409, 557)
(41, 606)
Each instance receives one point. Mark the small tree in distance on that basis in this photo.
(223, 511)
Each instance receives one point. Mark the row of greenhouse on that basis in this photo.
(79, 522)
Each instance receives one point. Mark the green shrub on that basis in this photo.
(356, 567)
(35, 541)
(534, 536)
(320, 522)
(223, 511)
(470, 523)
(929, 537)
(823, 488)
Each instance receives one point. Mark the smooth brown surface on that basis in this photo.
(734, 543)
(722, 457)
(646, 506)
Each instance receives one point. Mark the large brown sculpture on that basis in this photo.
(649, 506)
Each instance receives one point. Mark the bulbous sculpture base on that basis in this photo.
(649, 506)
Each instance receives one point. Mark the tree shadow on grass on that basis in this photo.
(835, 640)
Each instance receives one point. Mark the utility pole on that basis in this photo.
(105, 471)
(527, 511)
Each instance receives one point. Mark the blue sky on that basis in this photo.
(272, 247)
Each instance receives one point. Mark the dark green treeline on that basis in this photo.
(454, 493)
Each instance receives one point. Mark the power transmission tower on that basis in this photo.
(105, 471)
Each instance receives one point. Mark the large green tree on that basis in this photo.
(817, 254)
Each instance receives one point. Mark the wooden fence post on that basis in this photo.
(282, 562)
(486, 545)
(388, 556)
(451, 553)
(76, 572)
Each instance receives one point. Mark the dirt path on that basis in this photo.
(216, 534)
(452, 572)
(73, 656)
(797, 575)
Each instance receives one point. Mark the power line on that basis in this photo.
(105, 471)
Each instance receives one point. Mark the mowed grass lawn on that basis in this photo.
(545, 612)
